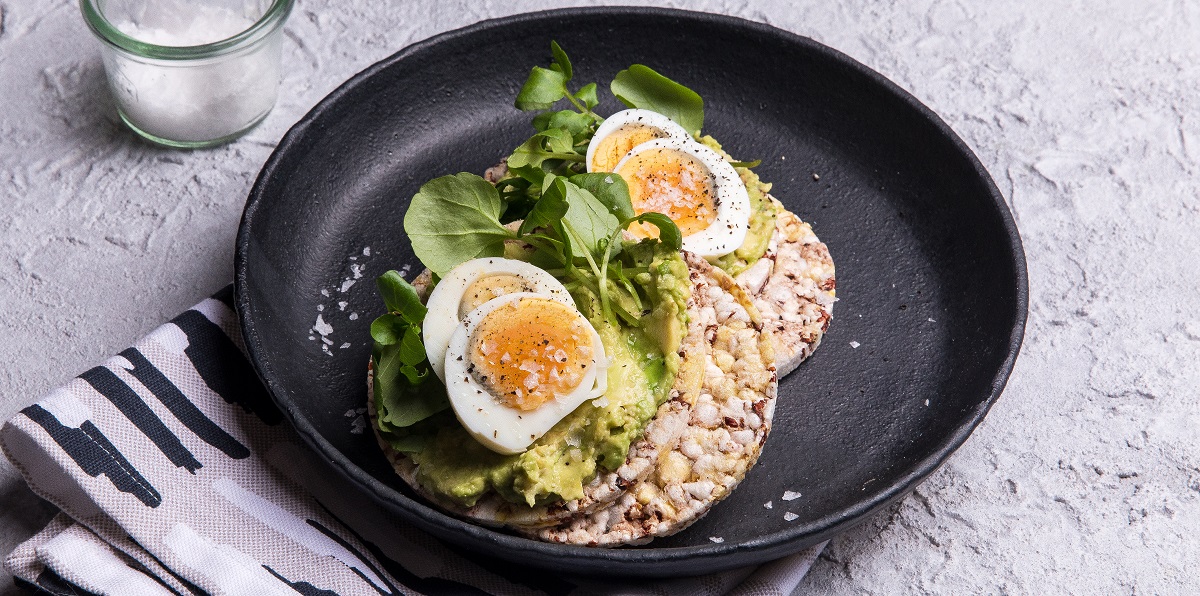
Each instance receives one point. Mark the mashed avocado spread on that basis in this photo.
(762, 218)
(594, 437)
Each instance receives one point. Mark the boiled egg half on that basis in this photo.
(471, 284)
(694, 186)
(623, 131)
(518, 364)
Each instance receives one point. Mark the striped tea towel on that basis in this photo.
(176, 474)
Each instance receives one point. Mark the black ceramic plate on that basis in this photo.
(931, 276)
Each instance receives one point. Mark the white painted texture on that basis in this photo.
(1085, 478)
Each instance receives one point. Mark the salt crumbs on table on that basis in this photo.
(855, 344)
(789, 516)
(716, 539)
(790, 495)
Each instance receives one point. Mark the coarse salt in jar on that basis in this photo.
(189, 73)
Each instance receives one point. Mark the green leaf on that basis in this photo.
(543, 87)
(401, 401)
(610, 189)
(639, 86)
(550, 208)
(553, 143)
(453, 219)
(561, 61)
(412, 374)
(746, 164)
(388, 329)
(412, 349)
(542, 121)
(588, 218)
(400, 297)
(668, 232)
(571, 121)
(587, 94)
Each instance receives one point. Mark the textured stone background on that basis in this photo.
(1085, 478)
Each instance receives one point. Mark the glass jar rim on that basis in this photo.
(271, 19)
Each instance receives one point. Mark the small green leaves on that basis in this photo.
(554, 143)
(587, 94)
(587, 220)
(453, 219)
(401, 390)
(746, 164)
(608, 188)
(549, 210)
(400, 297)
(639, 86)
(541, 90)
(401, 369)
(561, 62)
(668, 232)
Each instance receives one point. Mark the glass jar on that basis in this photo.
(188, 73)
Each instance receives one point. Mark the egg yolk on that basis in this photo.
(673, 183)
(530, 351)
(491, 286)
(620, 142)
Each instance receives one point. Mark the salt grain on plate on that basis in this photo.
(325, 293)
(789, 495)
(768, 505)
(320, 307)
(855, 344)
(789, 516)
(366, 251)
(927, 402)
(346, 285)
(930, 319)
(342, 305)
(344, 346)
(353, 316)
(321, 327)
(716, 539)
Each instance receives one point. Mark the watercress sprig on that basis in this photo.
(405, 390)
(575, 227)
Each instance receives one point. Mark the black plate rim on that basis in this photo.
(646, 562)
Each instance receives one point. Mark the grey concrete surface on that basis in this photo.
(1084, 479)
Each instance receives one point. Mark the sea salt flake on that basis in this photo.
(789, 495)
(716, 539)
(344, 346)
(356, 270)
(320, 307)
(321, 327)
(325, 293)
(931, 320)
(353, 316)
(789, 516)
(346, 285)
(342, 305)
(768, 505)
(855, 344)
(327, 341)
(366, 251)
(927, 403)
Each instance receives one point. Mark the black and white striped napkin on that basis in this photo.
(176, 474)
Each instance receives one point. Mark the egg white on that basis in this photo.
(497, 426)
(443, 304)
(667, 127)
(728, 230)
